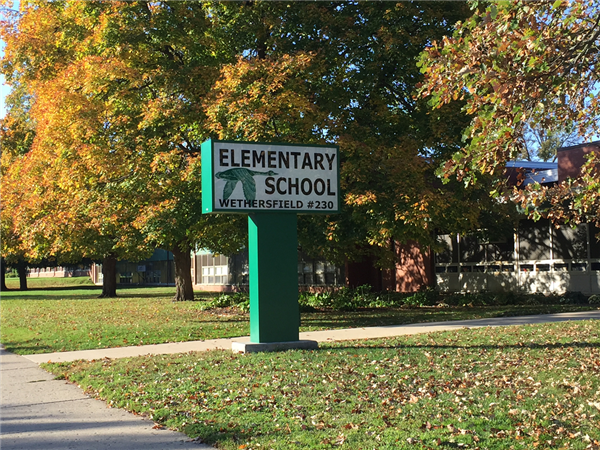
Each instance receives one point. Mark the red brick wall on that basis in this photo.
(414, 269)
(570, 159)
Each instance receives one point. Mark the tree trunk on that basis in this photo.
(22, 271)
(183, 273)
(109, 277)
(3, 279)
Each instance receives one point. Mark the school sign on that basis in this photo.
(252, 177)
(271, 183)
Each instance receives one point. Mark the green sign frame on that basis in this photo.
(255, 177)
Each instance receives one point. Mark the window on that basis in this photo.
(152, 276)
(126, 277)
(317, 272)
(594, 242)
(569, 243)
(449, 254)
(215, 274)
(471, 250)
(561, 267)
(534, 240)
(501, 249)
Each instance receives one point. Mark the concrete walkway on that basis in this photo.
(40, 413)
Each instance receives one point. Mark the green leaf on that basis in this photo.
(494, 11)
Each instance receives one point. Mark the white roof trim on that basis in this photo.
(532, 165)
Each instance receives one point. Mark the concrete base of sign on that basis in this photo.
(250, 347)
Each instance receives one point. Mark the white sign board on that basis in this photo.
(253, 177)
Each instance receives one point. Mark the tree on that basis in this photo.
(123, 93)
(9, 240)
(3, 275)
(56, 205)
(118, 129)
(173, 218)
(345, 73)
(16, 134)
(519, 66)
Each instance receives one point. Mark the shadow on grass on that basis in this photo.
(529, 346)
(217, 321)
(401, 316)
(373, 318)
(83, 287)
(84, 293)
(150, 294)
(50, 297)
(212, 433)
(28, 349)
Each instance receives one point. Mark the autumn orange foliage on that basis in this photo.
(120, 95)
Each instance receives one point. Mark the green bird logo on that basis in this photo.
(246, 176)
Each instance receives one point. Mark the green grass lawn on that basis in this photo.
(512, 388)
(74, 318)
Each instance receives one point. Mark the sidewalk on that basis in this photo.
(40, 413)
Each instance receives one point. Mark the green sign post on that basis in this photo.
(273, 265)
(271, 183)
